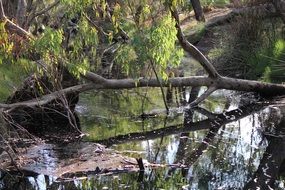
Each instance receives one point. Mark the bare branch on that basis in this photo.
(201, 98)
(95, 78)
(190, 48)
(2, 12)
(43, 11)
(12, 26)
(18, 30)
(205, 112)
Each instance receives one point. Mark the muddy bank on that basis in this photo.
(66, 160)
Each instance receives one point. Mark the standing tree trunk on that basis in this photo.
(199, 14)
(21, 12)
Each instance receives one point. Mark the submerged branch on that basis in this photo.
(221, 119)
(205, 95)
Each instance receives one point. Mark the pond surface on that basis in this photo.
(224, 146)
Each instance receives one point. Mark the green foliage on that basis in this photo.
(155, 44)
(161, 46)
(126, 56)
(50, 47)
(6, 46)
(11, 76)
(268, 62)
(116, 16)
(266, 74)
(49, 44)
(151, 41)
(279, 48)
(83, 49)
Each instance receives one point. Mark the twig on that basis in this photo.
(162, 91)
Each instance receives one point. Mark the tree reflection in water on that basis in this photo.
(217, 122)
(186, 171)
(272, 164)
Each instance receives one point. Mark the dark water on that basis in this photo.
(225, 145)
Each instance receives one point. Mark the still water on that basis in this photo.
(229, 143)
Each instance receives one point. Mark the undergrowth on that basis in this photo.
(251, 48)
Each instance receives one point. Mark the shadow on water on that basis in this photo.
(215, 146)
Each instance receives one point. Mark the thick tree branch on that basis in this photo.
(99, 82)
(97, 79)
(191, 49)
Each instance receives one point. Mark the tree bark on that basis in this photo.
(199, 14)
(213, 82)
(98, 82)
(21, 12)
(191, 49)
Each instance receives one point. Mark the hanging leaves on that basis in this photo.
(154, 43)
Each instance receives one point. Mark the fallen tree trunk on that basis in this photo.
(214, 81)
(98, 82)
